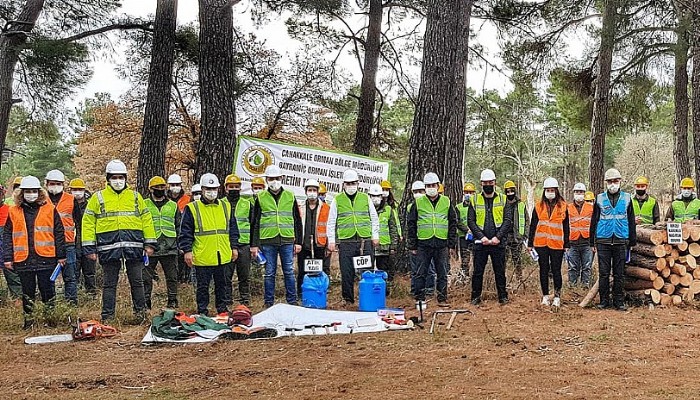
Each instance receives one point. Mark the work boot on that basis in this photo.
(476, 301)
(621, 307)
(603, 305)
(503, 301)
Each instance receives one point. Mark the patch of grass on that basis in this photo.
(601, 338)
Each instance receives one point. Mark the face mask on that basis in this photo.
(211, 195)
(613, 187)
(55, 189)
(78, 194)
(510, 196)
(488, 189)
(385, 193)
(197, 197)
(467, 197)
(312, 195)
(175, 190)
(641, 192)
(351, 189)
(686, 192)
(31, 197)
(275, 185)
(257, 191)
(550, 195)
(159, 193)
(431, 192)
(233, 194)
(578, 197)
(117, 184)
(322, 198)
(418, 195)
(376, 201)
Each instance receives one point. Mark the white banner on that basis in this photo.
(299, 163)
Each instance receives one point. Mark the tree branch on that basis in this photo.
(147, 26)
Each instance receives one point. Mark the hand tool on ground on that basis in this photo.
(452, 317)
(335, 325)
(293, 330)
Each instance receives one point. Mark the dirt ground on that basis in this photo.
(517, 351)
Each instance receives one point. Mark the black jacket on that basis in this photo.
(34, 261)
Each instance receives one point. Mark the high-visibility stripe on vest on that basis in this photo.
(163, 218)
(384, 217)
(521, 218)
(463, 213)
(646, 211)
(211, 245)
(550, 227)
(683, 213)
(353, 217)
(479, 203)
(613, 220)
(276, 218)
(432, 220)
(242, 215)
(65, 211)
(580, 223)
(44, 241)
(322, 223)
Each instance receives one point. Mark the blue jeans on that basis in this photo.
(70, 279)
(286, 254)
(580, 260)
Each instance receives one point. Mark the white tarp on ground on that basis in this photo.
(283, 316)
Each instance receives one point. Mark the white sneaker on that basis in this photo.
(556, 302)
(545, 300)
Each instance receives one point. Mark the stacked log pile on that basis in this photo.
(662, 273)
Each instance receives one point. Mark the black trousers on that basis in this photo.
(241, 267)
(305, 254)
(550, 260)
(29, 280)
(204, 278)
(498, 261)
(134, 272)
(169, 265)
(348, 250)
(611, 257)
(438, 256)
(86, 268)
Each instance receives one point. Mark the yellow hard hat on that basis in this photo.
(155, 181)
(441, 188)
(642, 180)
(77, 183)
(258, 181)
(687, 183)
(589, 196)
(386, 185)
(322, 189)
(509, 185)
(233, 178)
(17, 181)
(469, 187)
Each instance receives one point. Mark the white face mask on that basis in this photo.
(418, 195)
(55, 189)
(78, 194)
(117, 184)
(197, 197)
(550, 195)
(686, 192)
(211, 195)
(578, 197)
(467, 197)
(31, 197)
(175, 189)
(312, 195)
(376, 201)
(613, 187)
(385, 193)
(257, 191)
(431, 192)
(275, 185)
(351, 189)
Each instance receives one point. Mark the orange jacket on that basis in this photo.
(321, 222)
(182, 202)
(550, 228)
(580, 223)
(4, 212)
(65, 211)
(44, 243)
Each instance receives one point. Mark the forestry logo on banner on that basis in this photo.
(257, 158)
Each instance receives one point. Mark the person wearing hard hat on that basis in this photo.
(69, 210)
(353, 226)
(195, 192)
(490, 219)
(388, 195)
(589, 197)
(431, 236)
(646, 208)
(166, 221)
(84, 267)
(388, 232)
(322, 191)
(257, 185)
(33, 242)
(579, 257)
(466, 239)
(315, 221)
(277, 231)
(613, 231)
(686, 206)
(549, 237)
(118, 228)
(243, 212)
(521, 228)
(418, 190)
(176, 193)
(209, 238)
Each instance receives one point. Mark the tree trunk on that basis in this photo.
(680, 121)
(695, 31)
(13, 37)
(156, 116)
(217, 142)
(599, 123)
(368, 88)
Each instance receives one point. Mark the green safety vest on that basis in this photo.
(479, 203)
(463, 212)
(681, 213)
(353, 217)
(163, 218)
(276, 219)
(242, 215)
(211, 246)
(646, 212)
(384, 235)
(521, 218)
(432, 220)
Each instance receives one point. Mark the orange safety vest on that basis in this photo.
(580, 224)
(550, 228)
(321, 222)
(65, 211)
(4, 211)
(183, 201)
(44, 244)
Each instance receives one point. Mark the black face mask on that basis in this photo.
(233, 194)
(488, 189)
(159, 193)
(641, 192)
(510, 196)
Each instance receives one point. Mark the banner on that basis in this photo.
(299, 163)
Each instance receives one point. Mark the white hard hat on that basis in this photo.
(30, 182)
(375, 190)
(209, 180)
(579, 187)
(612, 173)
(550, 183)
(418, 185)
(175, 178)
(272, 171)
(487, 175)
(311, 183)
(116, 167)
(196, 188)
(350, 175)
(55, 175)
(431, 178)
